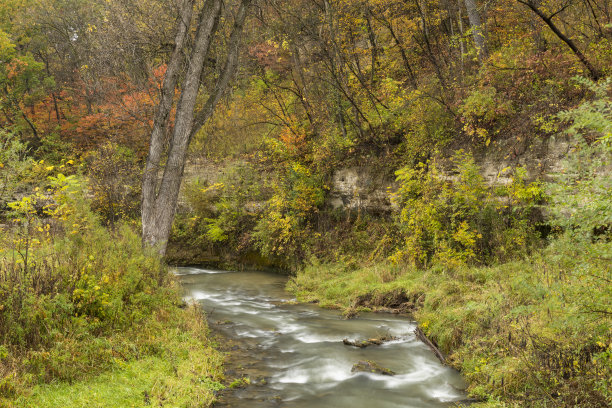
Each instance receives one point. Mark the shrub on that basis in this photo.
(462, 221)
(284, 225)
(481, 113)
(67, 284)
(581, 195)
(115, 177)
(13, 164)
(427, 125)
(225, 211)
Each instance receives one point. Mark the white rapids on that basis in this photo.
(299, 349)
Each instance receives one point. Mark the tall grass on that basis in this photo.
(78, 299)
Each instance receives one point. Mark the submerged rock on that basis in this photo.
(368, 366)
(377, 341)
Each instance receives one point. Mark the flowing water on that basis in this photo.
(294, 355)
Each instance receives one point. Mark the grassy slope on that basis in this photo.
(523, 333)
(92, 319)
(178, 367)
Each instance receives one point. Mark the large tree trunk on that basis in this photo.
(480, 41)
(160, 124)
(160, 196)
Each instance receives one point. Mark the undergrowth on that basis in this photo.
(84, 306)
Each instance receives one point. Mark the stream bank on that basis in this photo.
(292, 355)
(518, 332)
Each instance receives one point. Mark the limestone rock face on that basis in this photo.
(359, 188)
(367, 188)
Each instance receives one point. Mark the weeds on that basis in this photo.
(78, 300)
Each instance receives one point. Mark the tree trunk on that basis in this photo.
(479, 38)
(462, 38)
(160, 197)
(160, 124)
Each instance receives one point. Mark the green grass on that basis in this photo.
(120, 388)
(532, 332)
(185, 372)
(89, 318)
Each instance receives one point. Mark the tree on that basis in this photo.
(160, 194)
(23, 83)
(548, 19)
(475, 23)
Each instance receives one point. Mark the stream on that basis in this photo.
(294, 357)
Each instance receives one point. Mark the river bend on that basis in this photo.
(295, 355)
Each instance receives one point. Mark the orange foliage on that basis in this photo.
(121, 112)
(293, 139)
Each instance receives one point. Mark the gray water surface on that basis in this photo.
(297, 349)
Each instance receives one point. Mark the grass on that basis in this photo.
(534, 332)
(89, 318)
(131, 386)
(184, 371)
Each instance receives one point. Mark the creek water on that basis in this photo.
(294, 356)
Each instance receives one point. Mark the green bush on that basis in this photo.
(115, 178)
(581, 195)
(222, 213)
(68, 286)
(13, 165)
(463, 221)
(285, 223)
(482, 114)
(427, 125)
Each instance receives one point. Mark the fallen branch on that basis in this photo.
(421, 336)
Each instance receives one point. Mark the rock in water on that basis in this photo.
(368, 366)
(365, 343)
